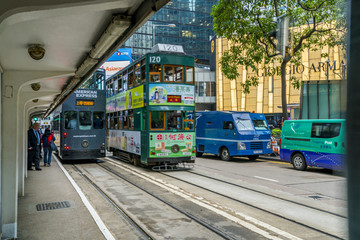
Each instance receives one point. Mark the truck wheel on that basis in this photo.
(224, 154)
(253, 157)
(199, 154)
(299, 162)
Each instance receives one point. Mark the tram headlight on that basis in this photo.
(241, 146)
(268, 146)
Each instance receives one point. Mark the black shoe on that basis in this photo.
(38, 169)
(30, 169)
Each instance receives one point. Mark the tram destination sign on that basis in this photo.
(85, 102)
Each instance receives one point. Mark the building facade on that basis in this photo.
(266, 97)
(193, 29)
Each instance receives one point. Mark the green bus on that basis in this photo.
(149, 109)
(314, 143)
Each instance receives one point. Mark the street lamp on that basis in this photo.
(153, 29)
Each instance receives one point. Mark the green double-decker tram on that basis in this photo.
(150, 107)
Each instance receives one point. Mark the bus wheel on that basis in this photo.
(253, 157)
(224, 154)
(199, 154)
(298, 162)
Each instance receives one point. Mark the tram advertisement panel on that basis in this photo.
(181, 144)
(171, 94)
(134, 98)
(125, 140)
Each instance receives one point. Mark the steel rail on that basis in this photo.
(208, 226)
(132, 222)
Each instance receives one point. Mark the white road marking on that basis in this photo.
(267, 179)
(215, 207)
(105, 231)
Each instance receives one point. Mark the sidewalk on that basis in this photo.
(51, 208)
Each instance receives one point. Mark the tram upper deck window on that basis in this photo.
(98, 118)
(70, 118)
(143, 72)
(173, 74)
(120, 83)
(125, 79)
(85, 120)
(154, 72)
(157, 120)
(190, 75)
(137, 74)
(131, 77)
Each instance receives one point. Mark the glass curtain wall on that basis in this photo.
(193, 29)
(323, 100)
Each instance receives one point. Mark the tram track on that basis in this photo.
(263, 193)
(189, 215)
(288, 219)
(126, 216)
(260, 208)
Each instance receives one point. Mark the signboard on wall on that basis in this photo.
(120, 59)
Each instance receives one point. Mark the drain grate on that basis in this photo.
(52, 206)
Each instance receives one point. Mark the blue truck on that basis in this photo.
(229, 133)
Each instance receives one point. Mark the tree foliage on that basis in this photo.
(250, 26)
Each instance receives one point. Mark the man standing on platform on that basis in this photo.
(34, 147)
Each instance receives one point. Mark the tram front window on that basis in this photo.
(174, 120)
(85, 120)
(157, 120)
(70, 118)
(98, 120)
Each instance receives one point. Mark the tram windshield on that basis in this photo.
(175, 120)
(70, 119)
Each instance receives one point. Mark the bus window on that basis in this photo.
(154, 72)
(179, 72)
(98, 120)
(174, 120)
(168, 74)
(70, 119)
(85, 120)
(157, 120)
(189, 75)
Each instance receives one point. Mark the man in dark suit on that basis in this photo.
(34, 147)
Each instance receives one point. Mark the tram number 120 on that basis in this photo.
(155, 59)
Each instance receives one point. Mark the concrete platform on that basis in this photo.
(52, 209)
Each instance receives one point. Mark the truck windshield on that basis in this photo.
(260, 125)
(243, 122)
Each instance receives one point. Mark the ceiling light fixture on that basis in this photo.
(36, 51)
(35, 86)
